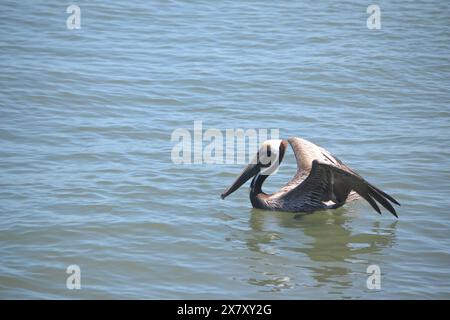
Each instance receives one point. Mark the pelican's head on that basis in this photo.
(265, 162)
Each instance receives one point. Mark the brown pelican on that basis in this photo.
(322, 181)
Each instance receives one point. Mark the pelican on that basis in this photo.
(322, 181)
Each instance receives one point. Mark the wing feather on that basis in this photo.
(322, 173)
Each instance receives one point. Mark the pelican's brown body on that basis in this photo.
(322, 181)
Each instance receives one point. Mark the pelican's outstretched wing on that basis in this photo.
(329, 179)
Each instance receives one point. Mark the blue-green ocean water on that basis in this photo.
(86, 176)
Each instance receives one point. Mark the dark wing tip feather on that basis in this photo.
(381, 199)
(386, 195)
(374, 205)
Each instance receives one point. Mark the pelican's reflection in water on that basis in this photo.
(334, 248)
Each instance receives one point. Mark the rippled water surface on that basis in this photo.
(86, 176)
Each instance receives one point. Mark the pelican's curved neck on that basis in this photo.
(256, 192)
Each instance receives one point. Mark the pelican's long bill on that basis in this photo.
(249, 172)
